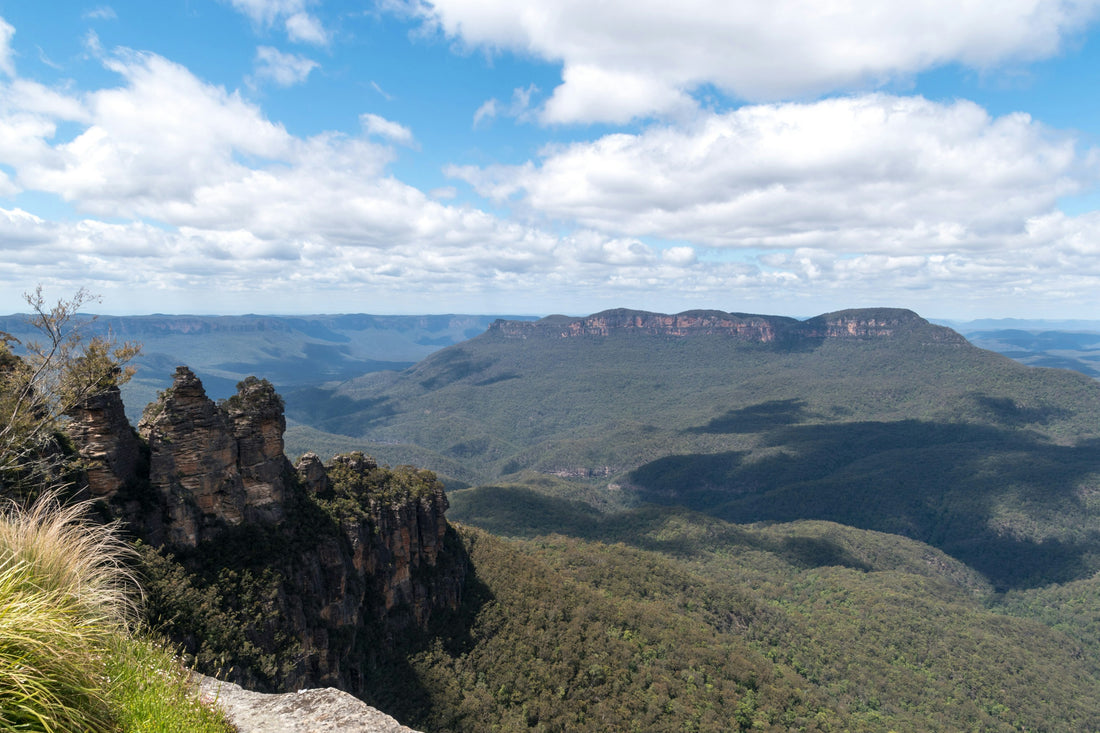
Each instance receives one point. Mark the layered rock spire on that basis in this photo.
(370, 541)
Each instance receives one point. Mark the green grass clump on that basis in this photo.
(67, 604)
(151, 691)
(63, 593)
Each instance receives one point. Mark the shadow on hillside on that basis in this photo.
(518, 511)
(451, 365)
(321, 409)
(974, 491)
(1006, 412)
(755, 418)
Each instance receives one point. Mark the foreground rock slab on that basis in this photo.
(319, 710)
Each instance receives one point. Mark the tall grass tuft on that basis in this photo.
(69, 660)
(65, 593)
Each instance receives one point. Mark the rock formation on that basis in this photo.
(371, 556)
(213, 466)
(878, 323)
(109, 449)
(305, 711)
(868, 323)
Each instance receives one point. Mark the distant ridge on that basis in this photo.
(859, 323)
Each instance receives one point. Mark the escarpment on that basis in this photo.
(312, 568)
(865, 323)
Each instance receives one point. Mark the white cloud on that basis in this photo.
(7, 63)
(301, 26)
(386, 96)
(305, 28)
(7, 188)
(392, 131)
(681, 256)
(186, 194)
(144, 146)
(266, 12)
(519, 107)
(634, 58)
(92, 44)
(47, 61)
(284, 69)
(489, 109)
(856, 174)
(590, 92)
(101, 12)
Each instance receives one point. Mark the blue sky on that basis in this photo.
(491, 156)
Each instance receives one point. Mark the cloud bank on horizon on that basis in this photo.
(298, 156)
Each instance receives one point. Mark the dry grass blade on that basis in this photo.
(64, 591)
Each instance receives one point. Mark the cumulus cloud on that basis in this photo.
(234, 197)
(868, 173)
(627, 58)
(387, 129)
(7, 188)
(182, 187)
(143, 146)
(284, 69)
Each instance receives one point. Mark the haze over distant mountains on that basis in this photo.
(290, 351)
(297, 351)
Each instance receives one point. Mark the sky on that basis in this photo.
(788, 157)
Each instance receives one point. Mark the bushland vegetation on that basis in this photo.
(53, 372)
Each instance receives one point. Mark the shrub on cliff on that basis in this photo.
(43, 384)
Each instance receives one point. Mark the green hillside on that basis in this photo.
(716, 627)
(916, 433)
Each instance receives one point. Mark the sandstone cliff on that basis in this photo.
(311, 569)
(109, 448)
(867, 323)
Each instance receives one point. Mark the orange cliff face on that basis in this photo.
(690, 323)
(870, 323)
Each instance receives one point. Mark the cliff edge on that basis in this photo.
(859, 323)
(271, 575)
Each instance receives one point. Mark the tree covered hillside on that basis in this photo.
(901, 427)
(679, 622)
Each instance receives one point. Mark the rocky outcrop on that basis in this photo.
(366, 551)
(765, 329)
(877, 323)
(869, 323)
(305, 711)
(211, 466)
(257, 421)
(110, 450)
(312, 475)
